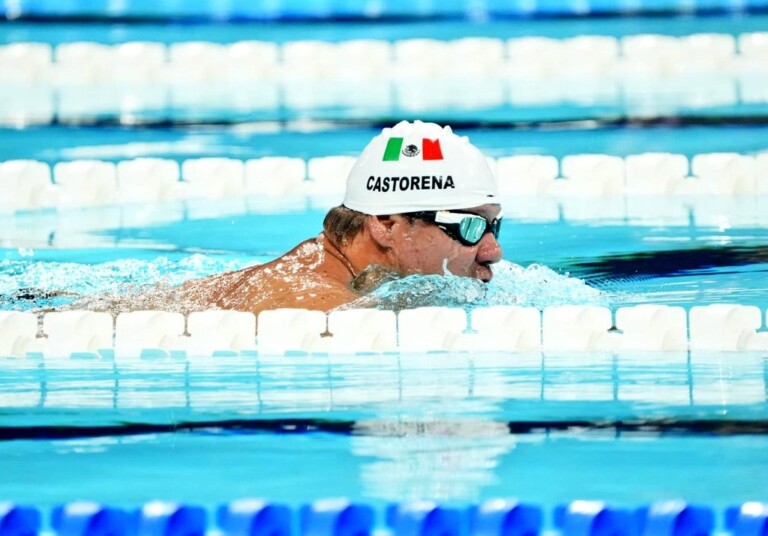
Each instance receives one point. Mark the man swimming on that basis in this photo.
(419, 200)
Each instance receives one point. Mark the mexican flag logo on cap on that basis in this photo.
(429, 150)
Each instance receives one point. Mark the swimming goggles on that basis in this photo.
(467, 228)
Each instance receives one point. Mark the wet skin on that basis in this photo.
(317, 274)
(311, 276)
(424, 248)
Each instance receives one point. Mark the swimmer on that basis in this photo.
(419, 200)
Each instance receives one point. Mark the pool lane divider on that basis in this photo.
(133, 336)
(343, 517)
(178, 185)
(665, 426)
(89, 83)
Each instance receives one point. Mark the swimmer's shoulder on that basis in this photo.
(305, 249)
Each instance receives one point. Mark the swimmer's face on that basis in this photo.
(421, 247)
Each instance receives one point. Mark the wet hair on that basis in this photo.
(342, 224)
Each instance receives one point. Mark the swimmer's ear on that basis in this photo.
(380, 229)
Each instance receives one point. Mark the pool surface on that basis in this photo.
(629, 428)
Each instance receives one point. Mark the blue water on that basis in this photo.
(325, 9)
(423, 426)
(107, 32)
(51, 144)
(392, 427)
(294, 468)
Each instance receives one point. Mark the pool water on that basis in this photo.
(628, 428)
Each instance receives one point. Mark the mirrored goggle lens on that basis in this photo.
(472, 229)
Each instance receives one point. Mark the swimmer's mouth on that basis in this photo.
(485, 278)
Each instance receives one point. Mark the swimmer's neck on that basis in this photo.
(351, 258)
(337, 257)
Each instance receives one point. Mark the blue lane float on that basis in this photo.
(18, 520)
(336, 517)
(424, 518)
(254, 517)
(89, 519)
(342, 517)
(501, 517)
(160, 518)
(749, 519)
(675, 518)
(594, 518)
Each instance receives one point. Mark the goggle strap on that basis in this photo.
(443, 216)
(454, 219)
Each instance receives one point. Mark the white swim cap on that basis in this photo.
(419, 166)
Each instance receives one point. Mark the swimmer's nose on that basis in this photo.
(489, 250)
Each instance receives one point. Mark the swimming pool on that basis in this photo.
(628, 427)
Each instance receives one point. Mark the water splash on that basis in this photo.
(512, 284)
(539, 286)
(27, 285)
(133, 283)
(446, 271)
